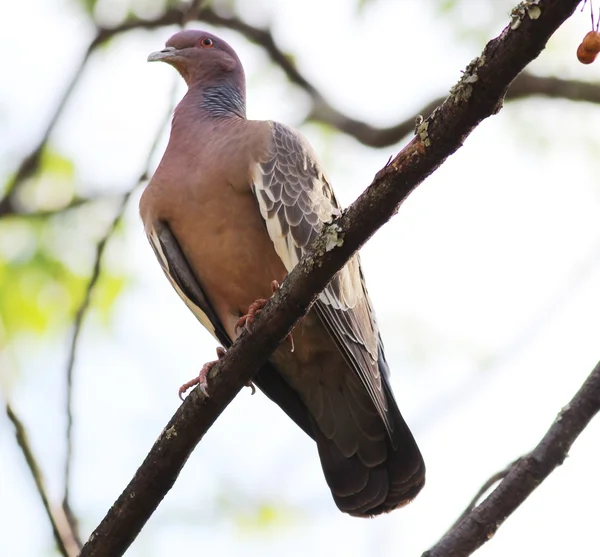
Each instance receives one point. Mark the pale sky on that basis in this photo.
(485, 285)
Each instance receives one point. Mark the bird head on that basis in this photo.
(201, 57)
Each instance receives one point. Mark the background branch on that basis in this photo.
(478, 95)
(30, 164)
(527, 473)
(66, 538)
(524, 86)
(85, 305)
(77, 325)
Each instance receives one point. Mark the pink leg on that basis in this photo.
(254, 309)
(202, 378)
(247, 319)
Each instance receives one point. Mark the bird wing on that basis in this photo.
(296, 200)
(184, 281)
(177, 269)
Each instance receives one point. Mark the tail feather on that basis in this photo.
(355, 487)
(385, 472)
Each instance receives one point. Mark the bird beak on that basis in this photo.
(163, 54)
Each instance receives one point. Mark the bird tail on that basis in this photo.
(384, 474)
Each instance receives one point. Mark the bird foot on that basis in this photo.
(253, 310)
(202, 378)
(247, 319)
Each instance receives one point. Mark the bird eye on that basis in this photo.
(205, 42)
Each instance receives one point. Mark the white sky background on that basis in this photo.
(485, 285)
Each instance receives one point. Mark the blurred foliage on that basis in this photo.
(40, 291)
(474, 22)
(253, 515)
(44, 268)
(263, 517)
(88, 5)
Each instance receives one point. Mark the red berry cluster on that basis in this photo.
(589, 48)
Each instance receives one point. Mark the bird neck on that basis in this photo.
(222, 101)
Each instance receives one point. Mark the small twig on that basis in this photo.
(10, 210)
(31, 162)
(65, 537)
(77, 325)
(491, 481)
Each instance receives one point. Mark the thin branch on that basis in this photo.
(77, 326)
(491, 481)
(10, 209)
(85, 304)
(190, 11)
(526, 85)
(66, 540)
(478, 526)
(30, 164)
(477, 96)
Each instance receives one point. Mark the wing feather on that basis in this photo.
(296, 200)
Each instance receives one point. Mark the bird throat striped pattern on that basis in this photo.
(223, 100)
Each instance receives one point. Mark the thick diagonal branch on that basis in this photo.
(479, 95)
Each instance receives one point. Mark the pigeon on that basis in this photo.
(232, 207)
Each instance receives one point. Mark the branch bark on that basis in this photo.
(479, 94)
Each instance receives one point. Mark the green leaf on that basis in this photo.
(41, 292)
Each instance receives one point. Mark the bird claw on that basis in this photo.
(202, 378)
(253, 310)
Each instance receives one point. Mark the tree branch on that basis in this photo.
(525, 85)
(478, 95)
(85, 304)
(527, 473)
(30, 164)
(9, 208)
(77, 325)
(66, 539)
